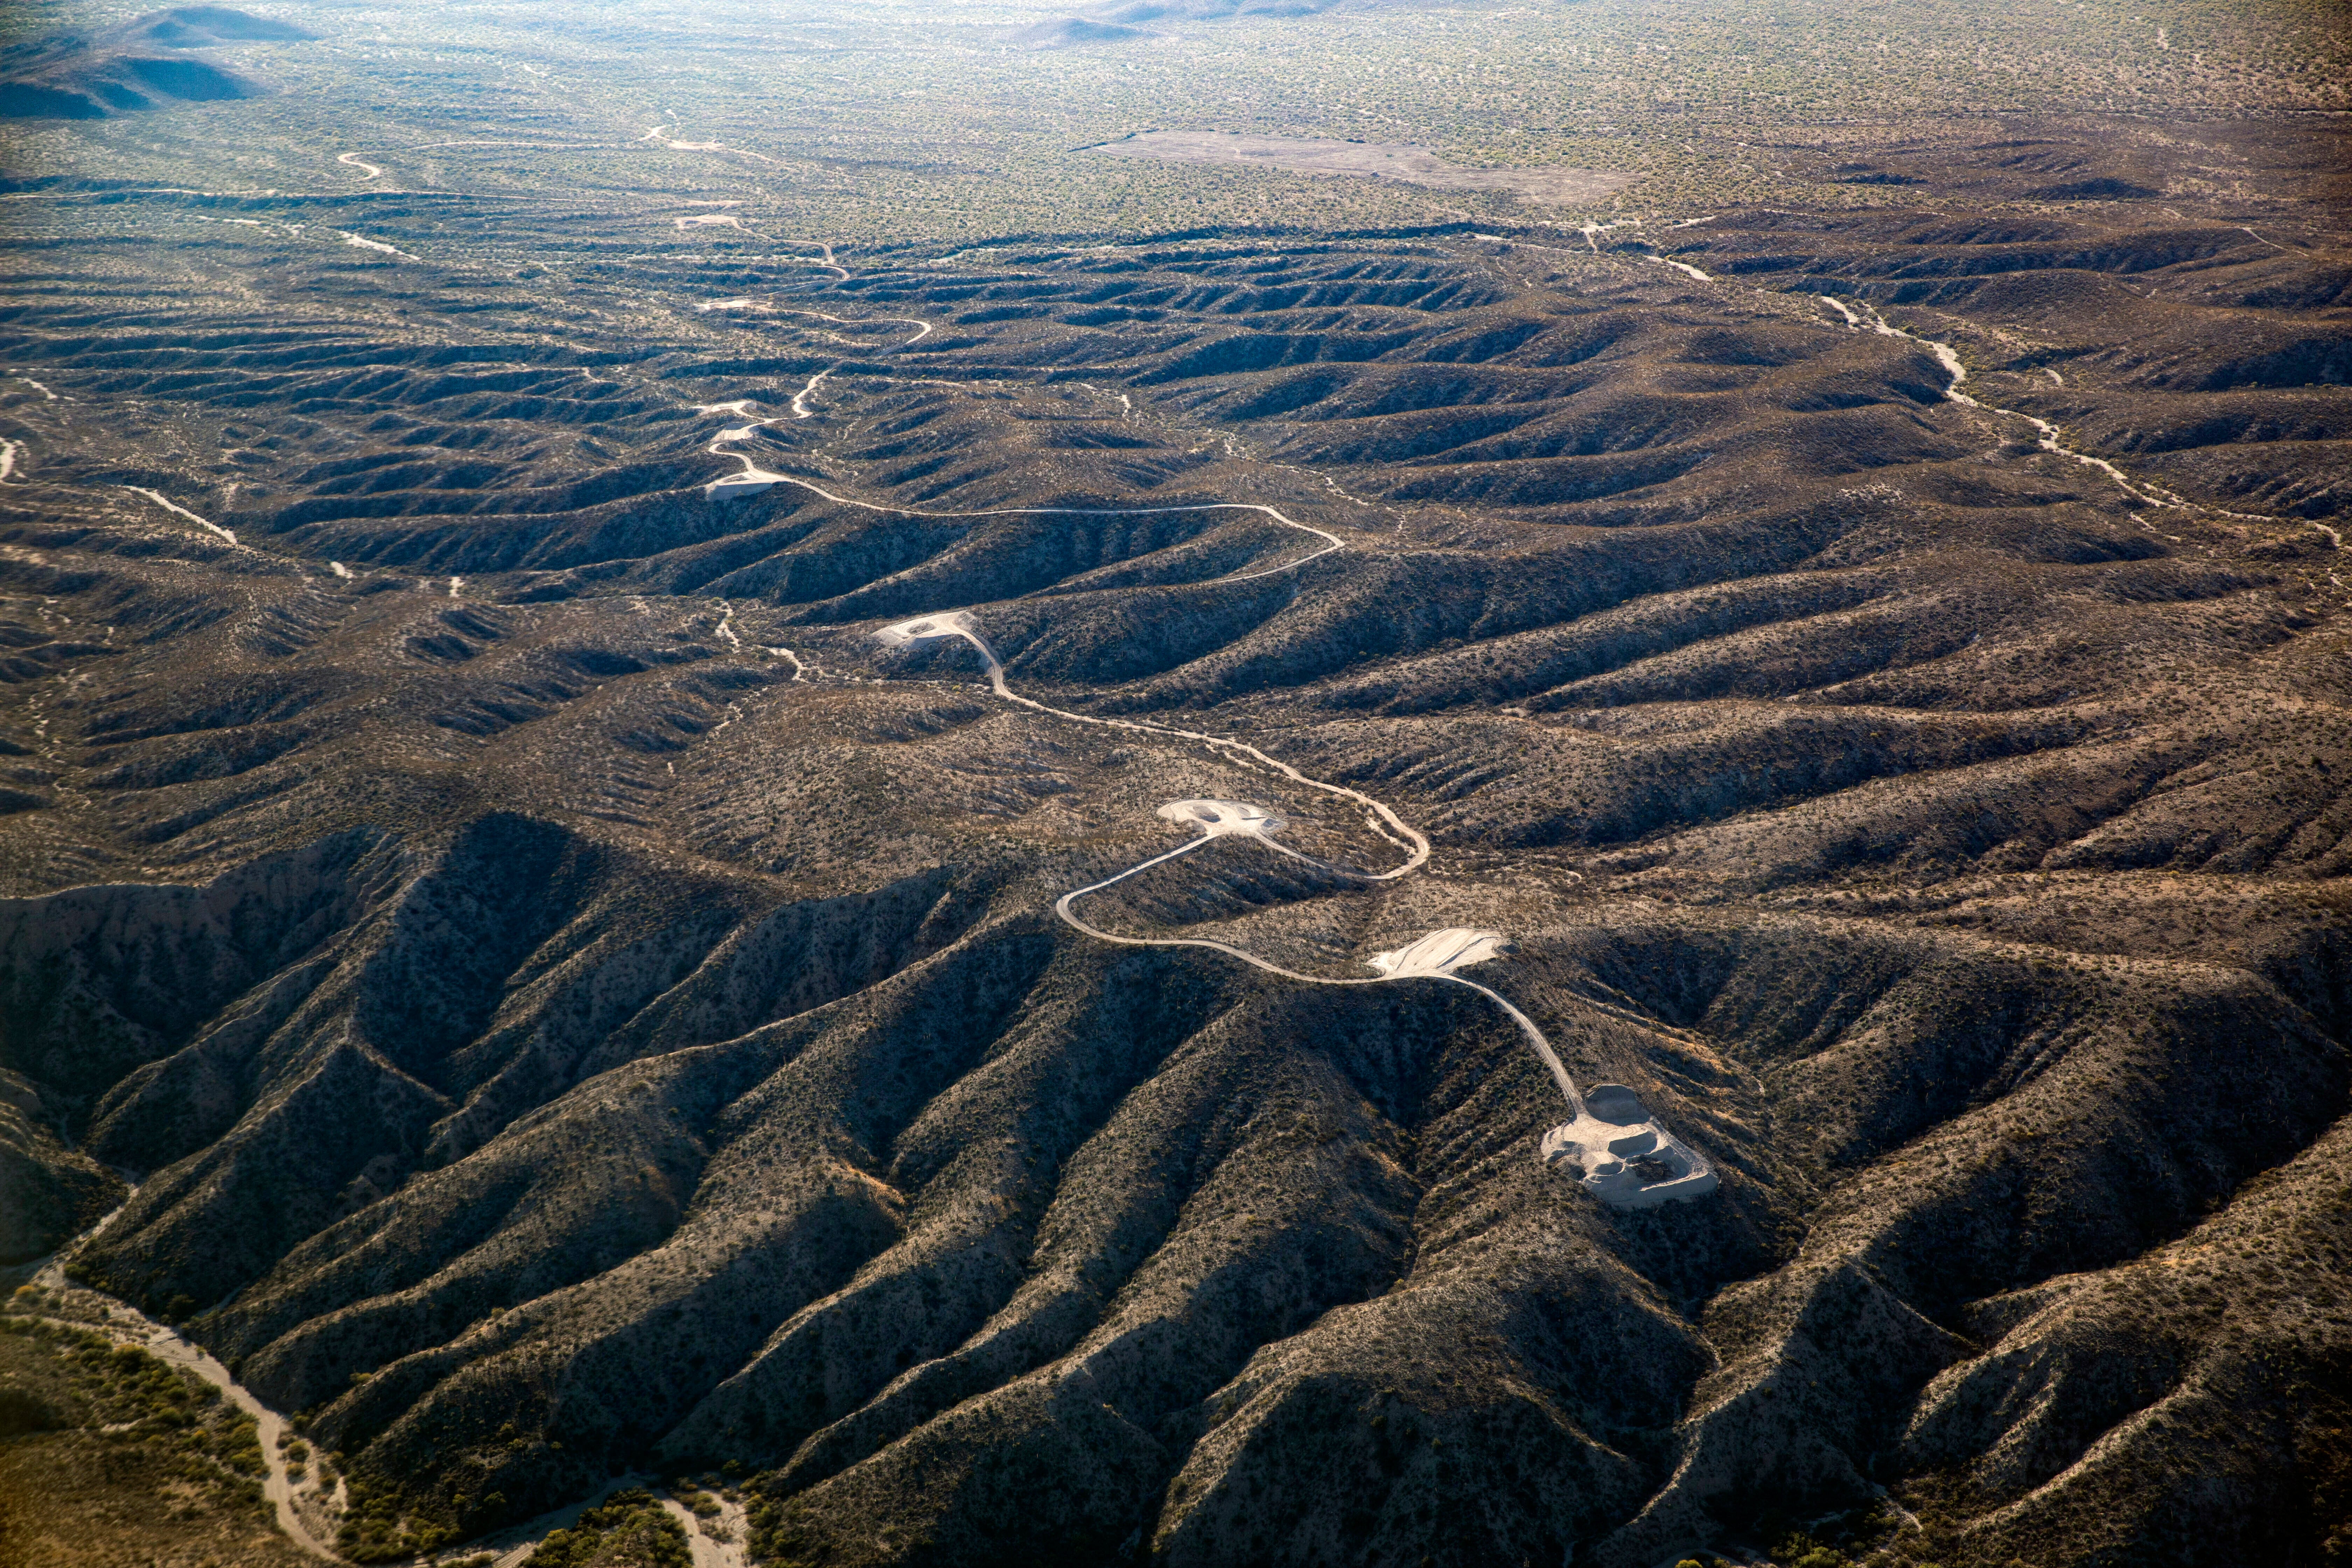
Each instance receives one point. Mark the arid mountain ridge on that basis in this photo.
(156, 59)
(572, 1002)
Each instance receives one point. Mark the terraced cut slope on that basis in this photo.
(1868, 687)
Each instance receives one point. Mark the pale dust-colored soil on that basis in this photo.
(1365, 160)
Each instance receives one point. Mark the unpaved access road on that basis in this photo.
(1671, 1171)
(126, 1324)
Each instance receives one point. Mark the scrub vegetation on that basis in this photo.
(110, 1456)
(551, 996)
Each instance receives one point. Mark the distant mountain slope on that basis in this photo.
(139, 64)
(1070, 31)
(1135, 19)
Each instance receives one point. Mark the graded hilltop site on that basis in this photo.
(1198, 783)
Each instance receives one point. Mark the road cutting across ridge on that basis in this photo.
(1574, 1147)
(1459, 946)
(960, 625)
(1609, 1146)
(178, 511)
(1868, 319)
(655, 135)
(752, 479)
(746, 302)
(1577, 1148)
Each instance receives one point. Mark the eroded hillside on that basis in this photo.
(555, 996)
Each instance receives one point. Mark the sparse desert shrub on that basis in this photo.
(629, 1527)
(1798, 1550)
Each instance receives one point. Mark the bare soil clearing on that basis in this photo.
(1366, 161)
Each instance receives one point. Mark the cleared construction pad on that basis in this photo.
(1623, 1158)
(1364, 160)
(1221, 818)
(1443, 952)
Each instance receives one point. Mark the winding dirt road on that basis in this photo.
(175, 507)
(1589, 1148)
(127, 1325)
(1434, 956)
(655, 135)
(1381, 820)
(1869, 319)
(1444, 970)
(752, 479)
